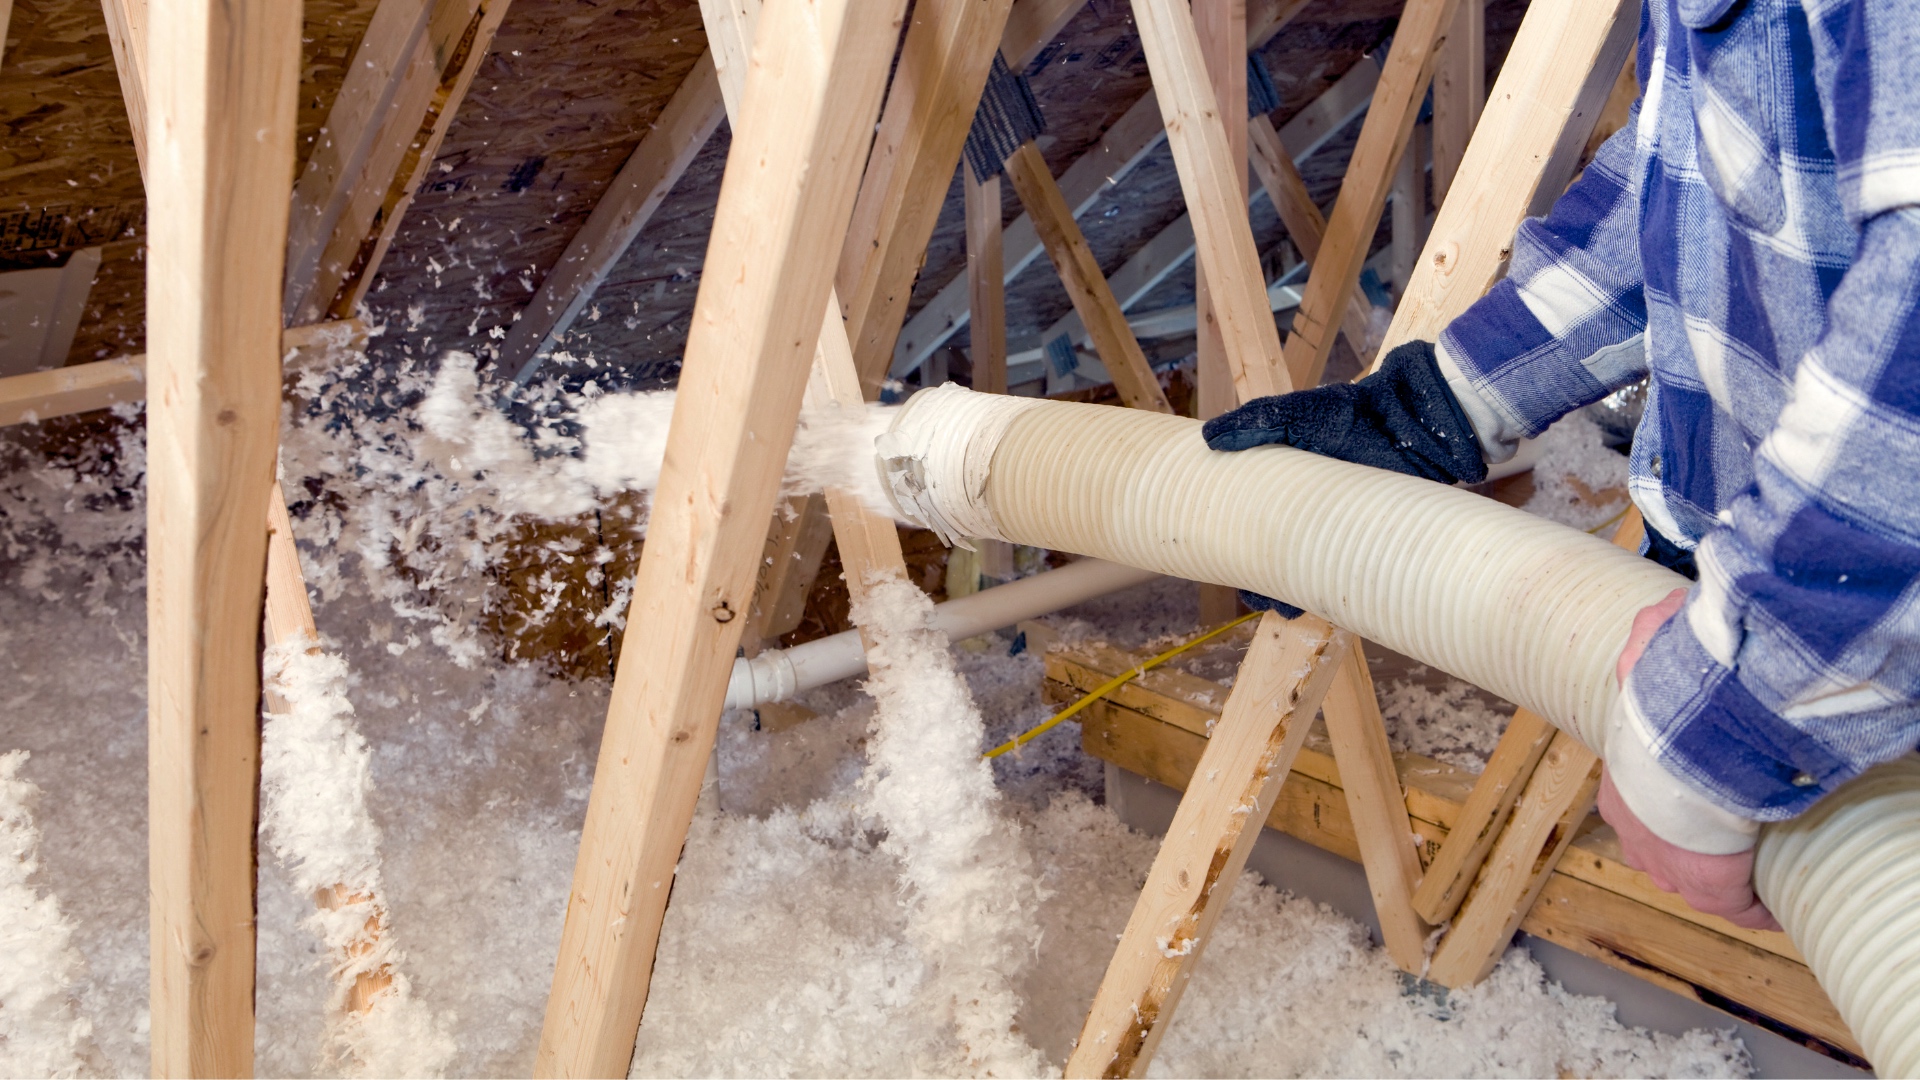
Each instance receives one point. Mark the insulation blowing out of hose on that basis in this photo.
(614, 443)
(1525, 608)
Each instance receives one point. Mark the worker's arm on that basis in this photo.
(1795, 663)
(1562, 330)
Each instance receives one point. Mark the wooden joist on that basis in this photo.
(1563, 64)
(1221, 28)
(1288, 670)
(1212, 180)
(1094, 302)
(1155, 726)
(1363, 194)
(813, 94)
(127, 32)
(650, 172)
(79, 388)
(221, 105)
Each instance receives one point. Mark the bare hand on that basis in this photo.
(1715, 884)
(1646, 623)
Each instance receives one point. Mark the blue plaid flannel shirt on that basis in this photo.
(1751, 241)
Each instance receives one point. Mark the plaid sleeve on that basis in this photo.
(1563, 329)
(1795, 664)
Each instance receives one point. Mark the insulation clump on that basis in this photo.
(315, 776)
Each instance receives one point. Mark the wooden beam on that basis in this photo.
(459, 34)
(6, 17)
(1486, 811)
(1557, 76)
(1280, 177)
(1126, 143)
(1459, 92)
(650, 172)
(1408, 208)
(385, 89)
(222, 108)
(127, 33)
(1378, 807)
(1288, 669)
(1514, 759)
(1086, 286)
(1211, 179)
(1356, 213)
(43, 395)
(812, 96)
(1558, 797)
(986, 284)
(1221, 27)
(1592, 903)
(944, 60)
(796, 544)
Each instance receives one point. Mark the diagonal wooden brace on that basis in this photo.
(1288, 670)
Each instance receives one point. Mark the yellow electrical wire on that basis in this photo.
(1111, 685)
(1595, 531)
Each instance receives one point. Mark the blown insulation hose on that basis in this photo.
(1523, 607)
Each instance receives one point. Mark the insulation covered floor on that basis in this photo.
(790, 946)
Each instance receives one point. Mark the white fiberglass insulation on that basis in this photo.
(863, 898)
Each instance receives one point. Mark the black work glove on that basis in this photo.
(1401, 417)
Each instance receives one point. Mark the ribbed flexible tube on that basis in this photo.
(1523, 607)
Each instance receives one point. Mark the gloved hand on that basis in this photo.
(1401, 417)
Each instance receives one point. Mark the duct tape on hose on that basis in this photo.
(936, 474)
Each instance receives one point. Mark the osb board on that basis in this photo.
(69, 177)
(568, 91)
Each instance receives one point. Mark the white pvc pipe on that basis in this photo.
(778, 675)
(1531, 610)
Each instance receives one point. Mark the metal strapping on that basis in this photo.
(1007, 119)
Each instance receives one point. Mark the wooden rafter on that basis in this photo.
(433, 84)
(222, 110)
(1092, 300)
(1363, 195)
(1123, 146)
(813, 93)
(650, 172)
(1170, 248)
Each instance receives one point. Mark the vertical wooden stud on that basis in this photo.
(986, 283)
(1459, 91)
(221, 128)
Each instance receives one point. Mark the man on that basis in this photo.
(1750, 243)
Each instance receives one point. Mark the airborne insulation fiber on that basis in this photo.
(40, 1032)
(972, 893)
(621, 446)
(315, 776)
